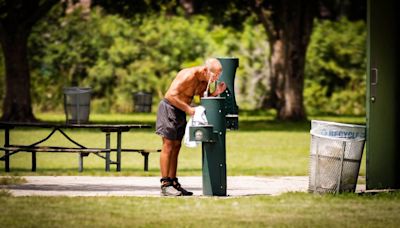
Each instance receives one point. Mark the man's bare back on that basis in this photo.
(190, 82)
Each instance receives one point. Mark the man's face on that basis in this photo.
(214, 75)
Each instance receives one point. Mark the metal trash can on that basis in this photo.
(142, 101)
(77, 104)
(335, 156)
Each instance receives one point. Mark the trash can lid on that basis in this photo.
(336, 124)
(77, 90)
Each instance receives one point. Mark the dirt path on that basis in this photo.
(149, 186)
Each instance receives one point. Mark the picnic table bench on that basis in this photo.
(83, 151)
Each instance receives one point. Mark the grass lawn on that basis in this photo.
(287, 210)
(261, 147)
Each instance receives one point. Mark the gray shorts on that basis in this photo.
(171, 121)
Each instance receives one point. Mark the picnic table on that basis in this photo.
(83, 151)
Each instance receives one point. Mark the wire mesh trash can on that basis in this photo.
(142, 102)
(335, 156)
(77, 104)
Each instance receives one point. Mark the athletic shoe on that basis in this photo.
(170, 191)
(178, 187)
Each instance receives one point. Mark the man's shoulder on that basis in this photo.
(188, 74)
(190, 70)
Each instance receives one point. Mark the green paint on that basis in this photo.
(383, 159)
(214, 153)
(229, 66)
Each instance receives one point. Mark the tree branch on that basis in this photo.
(257, 7)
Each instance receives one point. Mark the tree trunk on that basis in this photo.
(17, 102)
(17, 18)
(289, 29)
(287, 70)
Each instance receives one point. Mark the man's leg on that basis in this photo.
(173, 162)
(165, 165)
(173, 166)
(165, 156)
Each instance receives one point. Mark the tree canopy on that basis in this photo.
(120, 47)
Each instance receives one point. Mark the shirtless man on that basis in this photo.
(171, 118)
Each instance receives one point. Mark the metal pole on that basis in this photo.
(33, 161)
(214, 153)
(80, 169)
(108, 160)
(118, 151)
(146, 161)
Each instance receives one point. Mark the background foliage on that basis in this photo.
(117, 56)
(336, 68)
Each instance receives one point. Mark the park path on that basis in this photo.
(149, 186)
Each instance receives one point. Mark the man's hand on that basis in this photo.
(221, 87)
(191, 111)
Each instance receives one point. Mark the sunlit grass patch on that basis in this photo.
(287, 210)
(261, 147)
(11, 180)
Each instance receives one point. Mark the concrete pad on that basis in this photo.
(150, 186)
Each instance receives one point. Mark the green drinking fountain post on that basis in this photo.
(221, 113)
(229, 66)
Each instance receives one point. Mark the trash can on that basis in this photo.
(142, 101)
(335, 156)
(77, 104)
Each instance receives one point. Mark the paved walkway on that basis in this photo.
(149, 186)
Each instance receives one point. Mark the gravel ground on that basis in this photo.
(149, 186)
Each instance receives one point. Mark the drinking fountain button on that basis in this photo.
(198, 135)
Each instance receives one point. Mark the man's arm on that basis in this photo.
(182, 105)
(221, 87)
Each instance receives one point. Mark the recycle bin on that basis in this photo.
(77, 104)
(142, 101)
(335, 156)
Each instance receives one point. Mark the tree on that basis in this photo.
(17, 18)
(288, 24)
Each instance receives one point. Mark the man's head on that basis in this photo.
(214, 68)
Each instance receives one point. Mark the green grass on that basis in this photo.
(287, 210)
(261, 147)
(10, 180)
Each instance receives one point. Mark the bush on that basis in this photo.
(336, 68)
(113, 55)
(116, 56)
